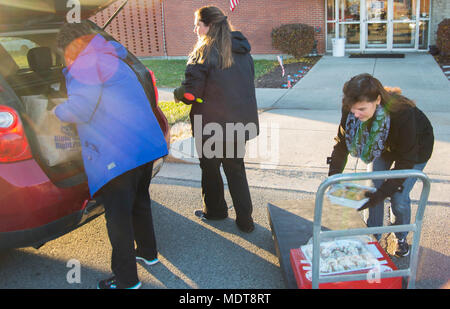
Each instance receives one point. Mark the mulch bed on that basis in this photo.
(442, 60)
(294, 71)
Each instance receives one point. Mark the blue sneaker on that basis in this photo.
(148, 262)
(112, 283)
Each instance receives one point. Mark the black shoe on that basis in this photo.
(402, 248)
(247, 227)
(200, 214)
(112, 283)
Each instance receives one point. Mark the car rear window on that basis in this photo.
(18, 48)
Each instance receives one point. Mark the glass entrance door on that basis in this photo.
(350, 22)
(404, 24)
(376, 24)
(379, 24)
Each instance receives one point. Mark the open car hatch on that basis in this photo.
(31, 14)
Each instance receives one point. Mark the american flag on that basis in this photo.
(233, 4)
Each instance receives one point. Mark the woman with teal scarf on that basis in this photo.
(385, 128)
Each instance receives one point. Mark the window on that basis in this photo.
(424, 8)
(331, 11)
(349, 10)
(404, 10)
(18, 49)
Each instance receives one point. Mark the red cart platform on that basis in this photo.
(303, 273)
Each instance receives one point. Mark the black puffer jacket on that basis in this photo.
(228, 95)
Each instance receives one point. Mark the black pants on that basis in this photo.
(128, 219)
(214, 205)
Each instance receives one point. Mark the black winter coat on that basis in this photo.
(410, 141)
(228, 95)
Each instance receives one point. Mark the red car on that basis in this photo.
(39, 202)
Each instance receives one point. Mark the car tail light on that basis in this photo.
(162, 119)
(13, 142)
(154, 84)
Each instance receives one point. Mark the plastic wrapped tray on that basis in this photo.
(348, 194)
(343, 255)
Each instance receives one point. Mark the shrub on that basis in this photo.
(443, 37)
(294, 39)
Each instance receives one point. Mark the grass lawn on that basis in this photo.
(170, 74)
(175, 112)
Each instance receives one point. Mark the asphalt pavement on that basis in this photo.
(299, 124)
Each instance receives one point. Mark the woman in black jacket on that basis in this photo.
(383, 127)
(219, 83)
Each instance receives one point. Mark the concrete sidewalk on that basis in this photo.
(418, 75)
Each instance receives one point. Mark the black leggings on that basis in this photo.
(128, 219)
(214, 205)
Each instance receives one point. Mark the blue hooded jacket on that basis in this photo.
(119, 133)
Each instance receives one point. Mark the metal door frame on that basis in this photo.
(390, 22)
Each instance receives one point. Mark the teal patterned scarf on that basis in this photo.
(366, 140)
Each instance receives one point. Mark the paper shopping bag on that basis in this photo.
(58, 141)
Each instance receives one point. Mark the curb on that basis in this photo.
(172, 159)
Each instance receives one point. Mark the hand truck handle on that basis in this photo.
(416, 227)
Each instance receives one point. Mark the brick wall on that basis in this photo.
(139, 25)
(255, 18)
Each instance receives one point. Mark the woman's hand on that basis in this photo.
(375, 198)
(178, 94)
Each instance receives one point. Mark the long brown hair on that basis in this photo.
(365, 87)
(218, 36)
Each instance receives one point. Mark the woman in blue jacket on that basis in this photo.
(120, 138)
